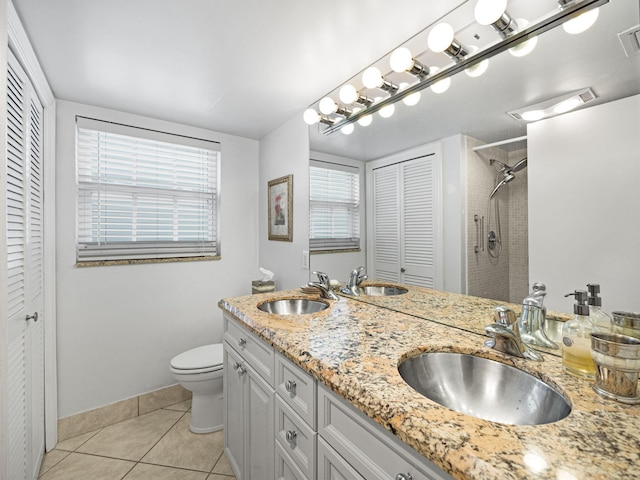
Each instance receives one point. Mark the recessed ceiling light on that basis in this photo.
(554, 106)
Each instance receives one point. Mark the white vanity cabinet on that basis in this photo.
(280, 423)
(296, 436)
(249, 403)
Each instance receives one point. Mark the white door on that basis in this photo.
(405, 222)
(24, 271)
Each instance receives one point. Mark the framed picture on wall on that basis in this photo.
(280, 193)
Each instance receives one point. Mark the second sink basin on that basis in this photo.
(484, 388)
(381, 290)
(293, 306)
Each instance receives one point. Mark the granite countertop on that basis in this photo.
(354, 348)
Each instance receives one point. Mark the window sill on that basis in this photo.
(323, 252)
(107, 263)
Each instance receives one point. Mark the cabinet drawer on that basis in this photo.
(255, 351)
(370, 449)
(296, 438)
(286, 469)
(297, 388)
(332, 466)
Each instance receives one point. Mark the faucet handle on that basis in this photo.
(504, 316)
(323, 278)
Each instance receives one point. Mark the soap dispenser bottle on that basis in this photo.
(600, 321)
(576, 339)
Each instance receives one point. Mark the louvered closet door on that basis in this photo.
(417, 230)
(386, 224)
(24, 259)
(404, 222)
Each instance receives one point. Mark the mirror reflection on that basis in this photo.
(463, 225)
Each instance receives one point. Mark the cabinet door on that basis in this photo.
(332, 466)
(233, 410)
(23, 188)
(405, 222)
(258, 430)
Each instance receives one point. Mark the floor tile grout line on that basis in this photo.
(217, 460)
(163, 435)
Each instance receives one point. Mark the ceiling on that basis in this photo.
(245, 67)
(242, 67)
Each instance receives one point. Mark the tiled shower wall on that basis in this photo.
(503, 278)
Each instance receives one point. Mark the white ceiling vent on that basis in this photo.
(630, 40)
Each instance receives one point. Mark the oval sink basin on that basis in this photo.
(381, 290)
(484, 388)
(294, 306)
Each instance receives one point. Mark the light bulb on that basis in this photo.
(440, 86)
(479, 68)
(401, 60)
(387, 111)
(489, 11)
(310, 116)
(526, 47)
(348, 94)
(365, 120)
(348, 129)
(372, 78)
(409, 100)
(582, 22)
(327, 106)
(440, 37)
(532, 115)
(567, 105)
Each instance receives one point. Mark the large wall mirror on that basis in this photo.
(472, 116)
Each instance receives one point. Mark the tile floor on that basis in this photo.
(154, 446)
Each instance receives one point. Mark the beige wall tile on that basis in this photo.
(162, 398)
(95, 419)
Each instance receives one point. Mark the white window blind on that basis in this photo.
(334, 207)
(144, 194)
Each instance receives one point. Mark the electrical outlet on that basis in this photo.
(305, 259)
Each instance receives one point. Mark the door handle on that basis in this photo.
(33, 317)
(403, 270)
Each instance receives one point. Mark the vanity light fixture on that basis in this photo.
(580, 23)
(479, 68)
(402, 61)
(311, 117)
(442, 39)
(349, 94)
(328, 106)
(372, 78)
(554, 106)
(517, 36)
(494, 13)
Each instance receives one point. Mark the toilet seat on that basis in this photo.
(207, 358)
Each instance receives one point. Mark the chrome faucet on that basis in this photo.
(356, 277)
(324, 285)
(533, 317)
(506, 335)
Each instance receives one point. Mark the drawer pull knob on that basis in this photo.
(290, 386)
(33, 317)
(242, 342)
(404, 476)
(242, 371)
(291, 435)
(236, 366)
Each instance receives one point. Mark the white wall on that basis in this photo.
(584, 204)
(119, 326)
(285, 151)
(339, 265)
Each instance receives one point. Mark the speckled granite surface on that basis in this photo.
(354, 347)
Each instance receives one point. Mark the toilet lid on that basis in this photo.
(207, 356)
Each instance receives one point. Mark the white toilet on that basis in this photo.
(200, 371)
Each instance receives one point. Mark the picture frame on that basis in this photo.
(280, 193)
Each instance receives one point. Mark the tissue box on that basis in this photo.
(258, 286)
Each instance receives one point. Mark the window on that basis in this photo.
(334, 207)
(144, 194)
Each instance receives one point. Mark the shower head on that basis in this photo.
(507, 178)
(519, 165)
